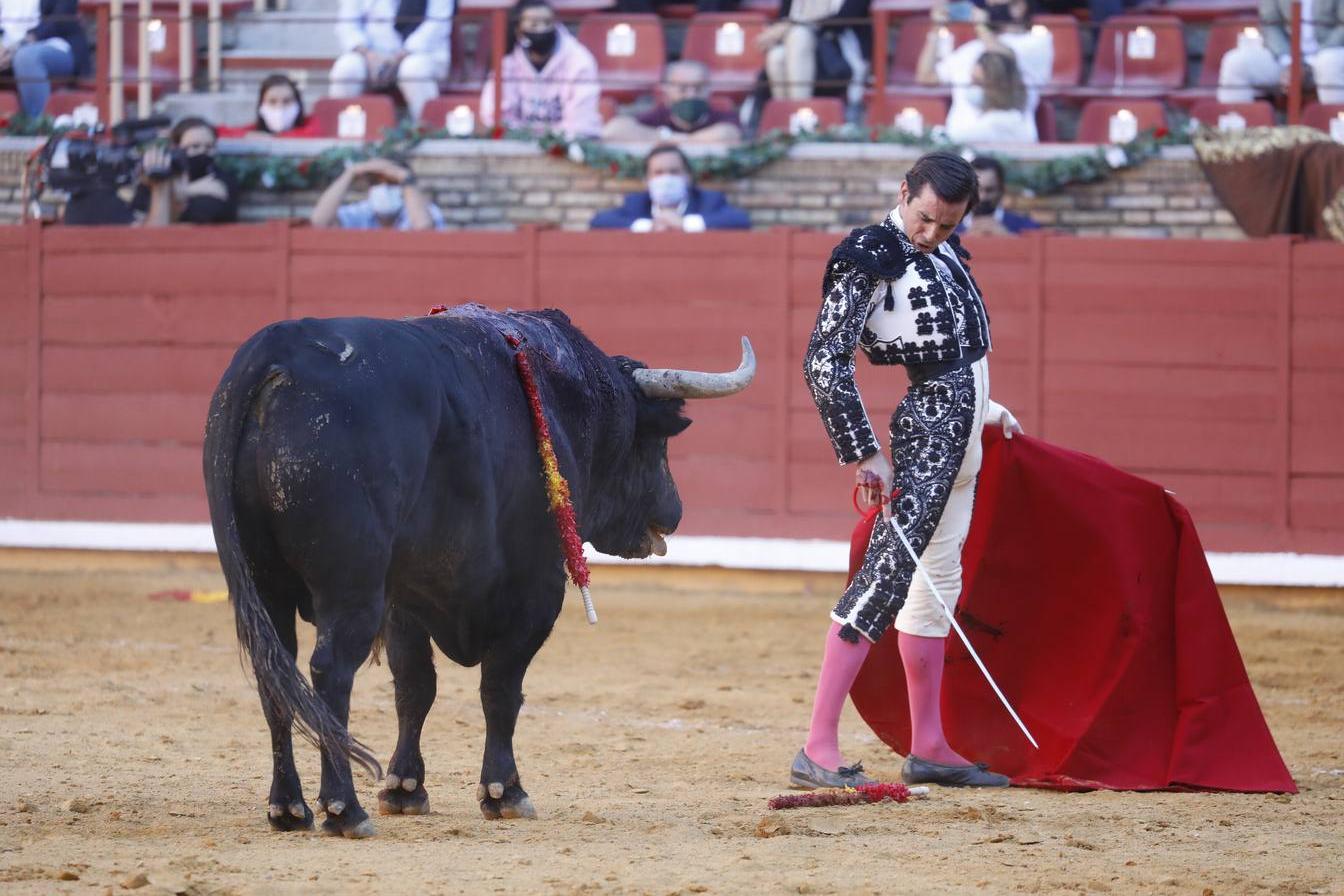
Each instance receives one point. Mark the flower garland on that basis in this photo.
(849, 796)
(557, 489)
(285, 173)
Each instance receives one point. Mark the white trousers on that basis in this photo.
(921, 614)
(1245, 71)
(418, 78)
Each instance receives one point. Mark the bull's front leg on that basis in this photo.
(500, 792)
(343, 643)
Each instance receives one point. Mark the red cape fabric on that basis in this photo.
(1088, 596)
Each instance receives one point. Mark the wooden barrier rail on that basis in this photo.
(1210, 367)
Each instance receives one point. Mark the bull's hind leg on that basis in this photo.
(343, 642)
(286, 810)
(411, 660)
(500, 792)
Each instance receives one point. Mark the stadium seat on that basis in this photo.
(883, 114)
(1068, 64)
(1319, 115)
(379, 113)
(568, 9)
(1259, 114)
(710, 39)
(777, 114)
(910, 43)
(1047, 124)
(64, 102)
(1198, 10)
(1222, 37)
(899, 8)
(9, 104)
(1119, 65)
(1094, 125)
(629, 50)
(469, 62)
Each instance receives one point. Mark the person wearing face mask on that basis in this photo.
(989, 217)
(549, 78)
(393, 43)
(280, 112)
(981, 87)
(902, 291)
(672, 201)
(200, 193)
(683, 114)
(394, 202)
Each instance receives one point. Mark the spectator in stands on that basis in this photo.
(394, 201)
(280, 112)
(386, 43)
(818, 47)
(671, 201)
(42, 40)
(993, 98)
(550, 79)
(1263, 65)
(683, 113)
(197, 192)
(989, 217)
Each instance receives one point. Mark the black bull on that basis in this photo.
(381, 479)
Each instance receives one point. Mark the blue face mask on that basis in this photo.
(668, 189)
(385, 200)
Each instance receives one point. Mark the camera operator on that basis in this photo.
(182, 184)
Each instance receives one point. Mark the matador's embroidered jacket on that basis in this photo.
(902, 307)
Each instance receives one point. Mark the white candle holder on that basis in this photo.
(730, 40)
(352, 124)
(1123, 127)
(621, 40)
(909, 121)
(1141, 43)
(803, 121)
(1337, 128)
(1231, 122)
(461, 122)
(85, 115)
(1250, 39)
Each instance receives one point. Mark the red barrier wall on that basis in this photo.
(1210, 367)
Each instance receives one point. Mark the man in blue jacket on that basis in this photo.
(671, 201)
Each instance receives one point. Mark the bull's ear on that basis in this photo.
(662, 418)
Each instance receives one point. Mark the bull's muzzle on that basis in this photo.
(671, 383)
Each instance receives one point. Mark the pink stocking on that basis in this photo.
(923, 660)
(839, 667)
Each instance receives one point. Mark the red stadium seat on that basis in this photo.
(379, 113)
(900, 8)
(1319, 115)
(1047, 124)
(910, 43)
(1116, 69)
(469, 64)
(1222, 37)
(1198, 10)
(1068, 65)
(777, 114)
(883, 114)
(9, 104)
(64, 102)
(625, 75)
(1094, 125)
(1259, 114)
(730, 72)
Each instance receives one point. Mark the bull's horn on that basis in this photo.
(667, 383)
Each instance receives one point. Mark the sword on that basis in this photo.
(928, 580)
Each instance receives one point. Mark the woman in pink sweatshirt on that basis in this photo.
(549, 78)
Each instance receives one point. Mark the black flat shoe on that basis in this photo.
(807, 775)
(922, 771)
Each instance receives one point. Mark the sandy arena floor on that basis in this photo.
(133, 744)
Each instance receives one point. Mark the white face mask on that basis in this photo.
(668, 189)
(385, 200)
(975, 95)
(279, 119)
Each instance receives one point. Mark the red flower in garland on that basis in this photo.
(4, 122)
(305, 166)
(497, 132)
(1160, 133)
(615, 167)
(872, 135)
(557, 150)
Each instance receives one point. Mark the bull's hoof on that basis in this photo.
(500, 802)
(295, 816)
(346, 820)
(398, 801)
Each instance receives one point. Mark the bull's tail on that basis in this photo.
(278, 678)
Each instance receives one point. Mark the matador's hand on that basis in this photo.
(998, 415)
(875, 477)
